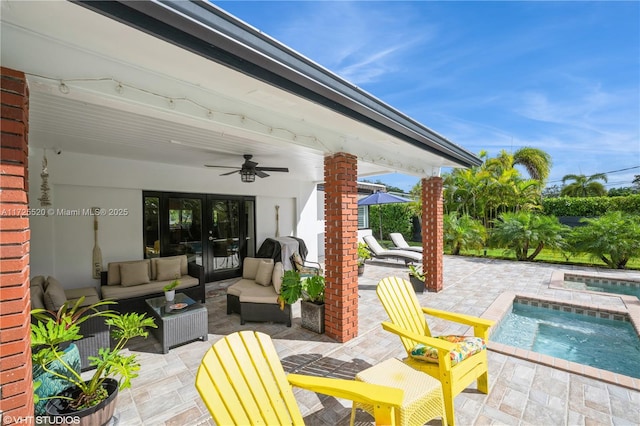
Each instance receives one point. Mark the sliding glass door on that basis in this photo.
(215, 231)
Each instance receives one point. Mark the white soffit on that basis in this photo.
(130, 94)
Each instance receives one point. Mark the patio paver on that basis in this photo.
(521, 392)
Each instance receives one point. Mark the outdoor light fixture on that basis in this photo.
(247, 176)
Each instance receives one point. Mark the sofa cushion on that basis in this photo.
(153, 288)
(135, 273)
(38, 281)
(90, 295)
(250, 267)
(54, 296)
(243, 285)
(259, 294)
(113, 270)
(168, 269)
(184, 267)
(265, 271)
(276, 277)
(37, 297)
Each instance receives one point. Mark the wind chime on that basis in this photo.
(44, 199)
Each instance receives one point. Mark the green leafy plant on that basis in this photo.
(363, 253)
(524, 231)
(463, 233)
(172, 285)
(416, 271)
(313, 289)
(291, 289)
(613, 238)
(51, 330)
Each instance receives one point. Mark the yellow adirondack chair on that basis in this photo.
(409, 323)
(242, 382)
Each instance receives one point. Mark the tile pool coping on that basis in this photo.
(503, 304)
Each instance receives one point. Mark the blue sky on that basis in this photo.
(560, 76)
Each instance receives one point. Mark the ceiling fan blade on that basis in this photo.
(230, 173)
(261, 174)
(223, 167)
(273, 169)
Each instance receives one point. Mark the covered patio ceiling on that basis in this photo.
(101, 87)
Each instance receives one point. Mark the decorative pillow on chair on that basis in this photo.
(276, 277)
(54, 296)
(265, 271)
(466, 346)
(134, 273)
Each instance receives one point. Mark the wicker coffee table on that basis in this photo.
(179, 321)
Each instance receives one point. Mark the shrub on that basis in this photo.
(463, 233)
(591, 206)
(613, 238)
(524, 231)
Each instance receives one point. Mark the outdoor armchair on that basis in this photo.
(457, 361)
(379, 252)
(400, 243)
(242, 382)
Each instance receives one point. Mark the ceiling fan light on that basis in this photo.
(247, 176)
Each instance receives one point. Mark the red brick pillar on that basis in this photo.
(432, 232)
(341, 242)
(16, 387)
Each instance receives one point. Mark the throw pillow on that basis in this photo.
(168, 269)
(134, 273)
(265, 271)
(54, 296)
(466, 346)
(38, 281)
(250, 267)
(37, 297)
(276, 277)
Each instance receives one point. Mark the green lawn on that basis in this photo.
(550, 256)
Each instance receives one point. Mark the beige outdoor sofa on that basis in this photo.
(130, 282)
(255, 296)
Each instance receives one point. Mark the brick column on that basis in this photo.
(341, 242)
(16, 387)
(432, 232)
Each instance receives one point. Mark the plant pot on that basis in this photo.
(312, 316)
(100, 414)
(417, 283)
(170, 295)
(360, 270)
(51, 385)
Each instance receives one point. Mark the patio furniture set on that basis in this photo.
(241, 379)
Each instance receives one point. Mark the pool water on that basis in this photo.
(602, 343)
(629, 290)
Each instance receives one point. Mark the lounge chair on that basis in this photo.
(242, 382)
(457, 361)
(382, 253)
(401, 243)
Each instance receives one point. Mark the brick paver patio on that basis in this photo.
(521, 392)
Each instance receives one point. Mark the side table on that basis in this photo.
(422, 400)
(177, 326)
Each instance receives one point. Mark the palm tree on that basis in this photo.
(584, 186)
(535, 161)
(463, 233)
(523, 231)
(613, 238)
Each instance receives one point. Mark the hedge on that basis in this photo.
(590, 206)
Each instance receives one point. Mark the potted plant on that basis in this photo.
(417, 277)
(169, 289)
(363, 254)
(312, 305)
(64, 324)
(291, 288)
(90, 400)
